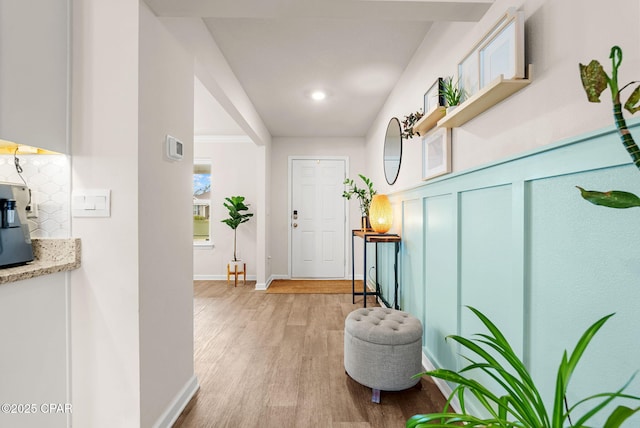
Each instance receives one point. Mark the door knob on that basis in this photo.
(295, 225)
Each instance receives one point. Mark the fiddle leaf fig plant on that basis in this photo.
(595, 80)
(520, 405)
(237, 215)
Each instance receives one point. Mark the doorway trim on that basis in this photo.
(289, 208)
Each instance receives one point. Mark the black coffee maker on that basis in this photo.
(15, 239)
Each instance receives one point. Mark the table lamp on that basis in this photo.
(380, 214)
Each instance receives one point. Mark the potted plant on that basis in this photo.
(520, 405)
(452, 93)
(595, 80)
(408, 123)
(364, 195)
(237, 215)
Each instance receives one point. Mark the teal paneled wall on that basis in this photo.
(486, 254)
(412, 298)
(383, 269)
(585, 263)
(516, 240)
(441, 282)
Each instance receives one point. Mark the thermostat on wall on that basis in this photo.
(174, 148)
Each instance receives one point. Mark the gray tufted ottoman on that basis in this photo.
(382, 349)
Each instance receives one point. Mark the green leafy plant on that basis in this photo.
(521, 404)
(364, 194)
(595, 80)
(409, 121)
(452, 92)
(237, 215)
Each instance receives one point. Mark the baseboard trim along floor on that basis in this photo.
(171, 414)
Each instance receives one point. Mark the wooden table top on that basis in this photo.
(373, 236)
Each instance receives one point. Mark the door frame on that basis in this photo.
(289, 208)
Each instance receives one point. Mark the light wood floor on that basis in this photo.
(276, 360)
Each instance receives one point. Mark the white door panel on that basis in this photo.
(318, 233)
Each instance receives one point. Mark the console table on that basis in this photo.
(369, 236)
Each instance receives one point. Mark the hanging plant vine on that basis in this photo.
(408, 123)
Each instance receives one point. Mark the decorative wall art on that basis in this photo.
(468, 73)
(499, 52)
(436, 153)
(433, 98)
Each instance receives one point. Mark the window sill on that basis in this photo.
(203, 246)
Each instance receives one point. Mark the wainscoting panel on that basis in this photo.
(585, 263)
(441, 279)
(412, 298)
(486, 257)
(516, 240)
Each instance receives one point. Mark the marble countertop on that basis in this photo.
(51, 255)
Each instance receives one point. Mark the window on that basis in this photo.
(202, 202)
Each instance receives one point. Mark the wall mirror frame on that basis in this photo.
(392, 154)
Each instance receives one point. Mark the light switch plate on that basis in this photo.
(91, 203)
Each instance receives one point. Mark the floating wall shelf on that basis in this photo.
(484, 99)
(429, 121)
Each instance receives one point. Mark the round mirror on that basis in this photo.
(392, 151)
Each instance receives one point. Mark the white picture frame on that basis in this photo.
(499, 52)
(436, 153)
(468, 74)
(502, 54)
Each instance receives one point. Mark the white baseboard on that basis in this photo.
(171, 414)
(442, 385)
(264, 286)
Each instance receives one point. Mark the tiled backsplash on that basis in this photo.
(48, 177)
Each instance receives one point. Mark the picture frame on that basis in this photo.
(499, 52)
(436, 153)
(503, 52)
(468, 74)
(433, 98)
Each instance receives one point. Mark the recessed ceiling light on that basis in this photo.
(318, 95)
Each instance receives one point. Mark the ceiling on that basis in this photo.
(282, 50)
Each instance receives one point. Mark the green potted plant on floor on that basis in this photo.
(364, 195)
(238, 214)
(520, 405)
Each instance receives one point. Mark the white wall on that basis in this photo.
(553, 107)
(132, 325)
(281, 149)
(234, 172)
(104, 291)
(263, 211)
(164, 223)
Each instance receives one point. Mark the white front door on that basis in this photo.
(317, 218)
